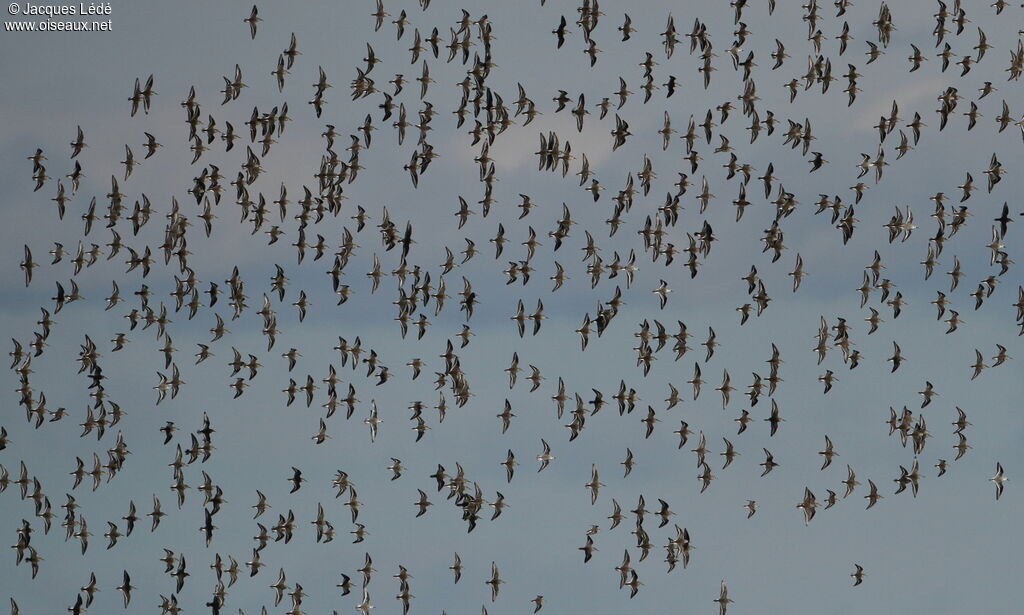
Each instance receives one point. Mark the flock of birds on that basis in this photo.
(307, 216)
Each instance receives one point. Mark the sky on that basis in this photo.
(954, 543)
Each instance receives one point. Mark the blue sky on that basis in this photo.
(954, 544)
